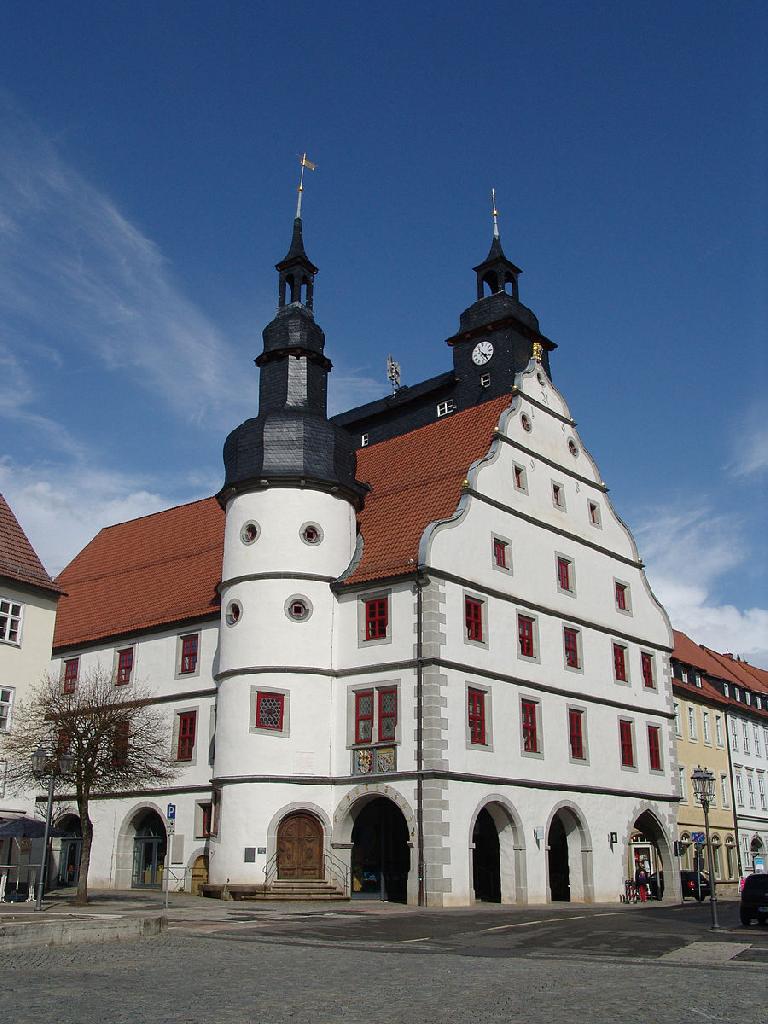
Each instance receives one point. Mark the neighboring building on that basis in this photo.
(28, 598)
(701, 727)
(437, 671)
(748, 742)
(721, 708)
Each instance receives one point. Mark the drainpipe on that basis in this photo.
(420, 738)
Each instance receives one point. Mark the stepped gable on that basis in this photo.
(156, 570)
(416, 479)
(18, 559)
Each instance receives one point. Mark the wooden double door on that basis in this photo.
(300, 847)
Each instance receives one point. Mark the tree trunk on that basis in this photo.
(86, 828)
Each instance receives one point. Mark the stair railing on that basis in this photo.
(336, 870)
(270, 871)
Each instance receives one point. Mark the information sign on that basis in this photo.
(171, 812)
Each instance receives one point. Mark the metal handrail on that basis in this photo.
(270, 870)
(333, 868)
(336, 867)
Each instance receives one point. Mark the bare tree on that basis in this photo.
(118, 738)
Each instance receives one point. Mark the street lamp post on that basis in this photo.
(704, 791)
(53, 765)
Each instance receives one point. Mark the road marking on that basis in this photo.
(610, 913)
(525, 924)
(706, 952)
(426, 938)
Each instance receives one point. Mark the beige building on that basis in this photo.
(702, 740)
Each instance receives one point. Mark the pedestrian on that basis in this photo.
(641, 882)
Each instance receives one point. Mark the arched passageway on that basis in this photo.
(558, 861)
(68, 872)
(381, 856)
(486, 859)
(649, 851)
(569, 857)
(149, 850)
(300, 847)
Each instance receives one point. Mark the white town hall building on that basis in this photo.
(408, 653)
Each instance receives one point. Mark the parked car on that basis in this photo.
(695, 885)
(754, 899)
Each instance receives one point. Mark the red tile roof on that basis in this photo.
(415, 479)
(165, 567)
(18, 559)
(716, 666)
(151, 571)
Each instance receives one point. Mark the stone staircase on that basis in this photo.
(279, 889)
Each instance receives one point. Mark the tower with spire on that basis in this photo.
(290, 497)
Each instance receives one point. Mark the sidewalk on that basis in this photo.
(131, 913)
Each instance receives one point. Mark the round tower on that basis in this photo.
(290, 497)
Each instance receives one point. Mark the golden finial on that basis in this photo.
(495, 214)
(538, 349)
(312, 167)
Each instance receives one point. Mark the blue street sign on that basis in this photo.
(171, 812)
(698, 837)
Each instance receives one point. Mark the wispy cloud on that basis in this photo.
(61, 512)
(687, 550)
(750, 444)
(73, 267)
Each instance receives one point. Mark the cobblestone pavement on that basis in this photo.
(242, 974)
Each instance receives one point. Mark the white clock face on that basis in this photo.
(482, 352)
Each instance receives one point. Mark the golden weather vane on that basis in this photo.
(310, 166)
(495, 214)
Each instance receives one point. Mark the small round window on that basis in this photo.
(573, 448)
(250, 533)
(233, 613)
(311, 533)
(526, 422)
(298, 608)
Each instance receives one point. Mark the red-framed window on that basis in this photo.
(63, 742)
(526, 636)
(654, 747)
(270, 710)
(363, 716)
(376, 618)
(473, 618)
(387, 714)
(120, 742)
(187, 732)
(189, 644)
(500, 553)
(476, 715)
(627, 744)
(571, 646)
(564, 572)
(620, 663)
(576, 733)
(124, 666)
(71, 669)
(646, 662)
(528, 710)
(621, 596)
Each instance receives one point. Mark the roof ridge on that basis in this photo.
(160, 512)
(185, 556)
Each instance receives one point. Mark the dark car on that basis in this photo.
(754, 900)
(695, 885)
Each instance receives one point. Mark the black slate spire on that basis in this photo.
(291, 442)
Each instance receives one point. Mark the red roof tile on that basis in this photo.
(416, 479)
(717, 666)
(18, 559)
(158, 569)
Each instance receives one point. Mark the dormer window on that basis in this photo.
(363, 440)
(445, 408)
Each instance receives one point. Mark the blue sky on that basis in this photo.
(147, 182)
